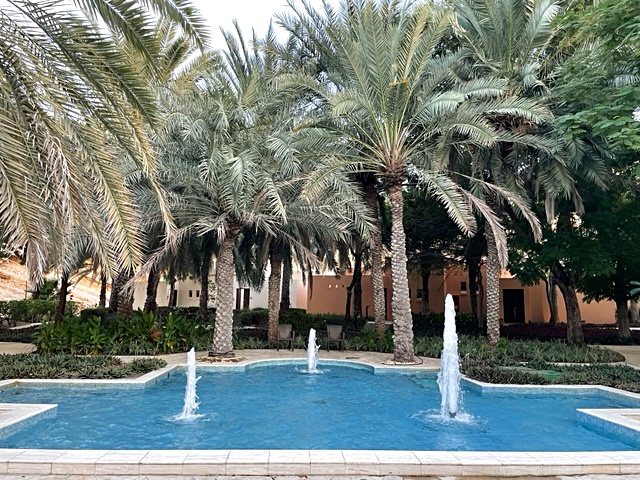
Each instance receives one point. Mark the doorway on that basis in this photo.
(513, 305)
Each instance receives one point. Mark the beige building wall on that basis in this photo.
(330, 293)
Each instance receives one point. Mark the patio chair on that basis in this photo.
(286, 335)
(335, 335)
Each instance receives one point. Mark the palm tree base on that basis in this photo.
(230, 354)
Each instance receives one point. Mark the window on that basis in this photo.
(247, 297)
(190, 293)
(463, 287)
(197, 293)
(238, 298)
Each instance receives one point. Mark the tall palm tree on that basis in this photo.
(67, 92)
(401, 109)
(235, 177)
(513, 40)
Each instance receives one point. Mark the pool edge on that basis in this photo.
(189, 463)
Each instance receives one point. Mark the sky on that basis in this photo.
(250, 14)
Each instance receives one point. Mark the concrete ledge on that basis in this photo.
(336, 463)
(14, 416)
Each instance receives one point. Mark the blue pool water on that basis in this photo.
(282, 407)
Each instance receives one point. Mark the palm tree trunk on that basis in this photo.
(473, 291)
(103, 291)
(347, 306)
(357, 283)
(481, 302)
(62, 302)
(116, 286)
(150, 303)
(125, 297)
(205, 267)
(285, 296)
(173, 294)
(552, 299)
(275, 279)
(425, 274)
(222, 344)
(635, 315)
(493, 289)
(379, 304)
(400, 302)
(566, 285)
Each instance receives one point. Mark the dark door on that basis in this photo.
(513, 305)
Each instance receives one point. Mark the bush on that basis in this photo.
(101, 312)
(491, 373)
(257, 317)
(143, 334)
(433, 324)
(70, 366)
(511, 352)
(366, 341)
(303, 322)
(28, 310)
(23, 335)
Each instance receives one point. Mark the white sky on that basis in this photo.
(251, 14)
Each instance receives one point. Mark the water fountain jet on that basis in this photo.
(312, 352)
(449, 375)
(190, 397)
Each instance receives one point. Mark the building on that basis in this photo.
(518, 303)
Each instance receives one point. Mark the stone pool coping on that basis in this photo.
(324, 462)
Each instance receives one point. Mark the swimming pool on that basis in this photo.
(283, 407)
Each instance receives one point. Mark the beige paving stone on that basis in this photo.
(9, 453)
(205, 462)
(76, 462)
(120, 462)
(248, 456)
(438, 463)
(29, 468)
(609, 468)
(561, 469)
(248, 462)
(398, 463)
(289, 462)
(630, 468)
(38, 456)
(520, 470)
(327, 462)
(361, 462)
(215, 456)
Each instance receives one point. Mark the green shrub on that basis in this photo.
(491, 373)
(71, 366)
(433, 324)
(101, 312)
(256, 317)
(28, 310)
(366, 341)
(143, 334)
(510, 352)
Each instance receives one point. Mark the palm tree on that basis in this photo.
(513, 40)
(235, 176)
(400, 109)
(66, 93)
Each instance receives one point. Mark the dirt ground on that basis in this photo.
(13, 284)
